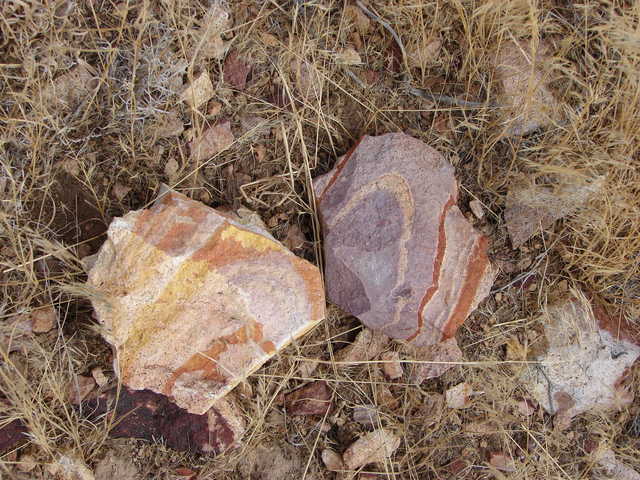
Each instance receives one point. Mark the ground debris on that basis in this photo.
(459, 396)
(213, 140)
(613, 467)
(332, 460)
(392, 367)
(586, 361)
(367, 346)
(199, 91)
(444, 355)
(530, 207)
(236, 70)
(311, 399)
(373, 447)
(116, 467)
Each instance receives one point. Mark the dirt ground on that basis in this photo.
(92, 123)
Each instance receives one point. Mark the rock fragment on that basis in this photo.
(444, 356)
(399, 254)
(373, 447)
(193, 302)
(312, 399)
(587, 359)
(613, 467)
(366, 415)
(532, 207)
(213, 140)
(459, 396)
(236, 71)
(199, 91)
(502, 462)
(150, 416)
(332, 460)
(367, 345)
(392, 367)
(523, 77)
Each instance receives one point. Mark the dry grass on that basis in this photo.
(104, 134)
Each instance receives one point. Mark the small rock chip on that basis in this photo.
(476, 208)
(215, 22)
(348, 56)
(588, 357)
(151, 416)
(236, 71)
(502, 462)
(421, 53)
(613, 467)
(399, 254)
(193, 301)
(354, 14)
(529, 102)
(212, 141)
(444, 355)
(171, 169)
(99, 376)
(332, 460)
(459, 396)
(373, 447)
(392, 367)
(27, 463)
(199, 91)
(294, 239)
(366, 415)
(312, 399)
(367, 345)
(308, 81)
(120, 191)
(70, 89)
(168, 125)
(43, 319)
(532, 207)
(526, 407)
(12, 434)
(80, 388)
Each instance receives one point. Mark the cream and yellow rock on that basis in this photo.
(193, 301)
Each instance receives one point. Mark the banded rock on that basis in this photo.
(399, 254)
(193, 301)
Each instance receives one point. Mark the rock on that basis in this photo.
(332, 460)
(459, 396)
(12, 434)
(392, 367)
(150, 416)
(312, 399)
(199, 91)
(366, 415)
(587, 359)
(502, 462)
(444, 355)
(69, 90)
(399, 254)
(215, 22)
(193, 302)
(613, 467)
(80, 388)
(423, 51)
(367, 345)
(236, 71)
(476, 208)
(373, 447)
(273, 461)
(348, 56)
(530, 207)
(308, 81)
(212, 141)
(521, 72)
(99, 376)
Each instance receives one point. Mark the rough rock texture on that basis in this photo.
(523, 76)
(150, 416)
(12, 434)
(399, 253)
(193, 301)
(530, 207)
(588, 356)
(373, 447)
(312, 399)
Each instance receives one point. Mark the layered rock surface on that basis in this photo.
(193, 301)
(399, 254)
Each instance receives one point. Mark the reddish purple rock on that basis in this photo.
(399, 253)
(151, 416)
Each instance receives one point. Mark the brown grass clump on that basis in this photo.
(91, 125)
